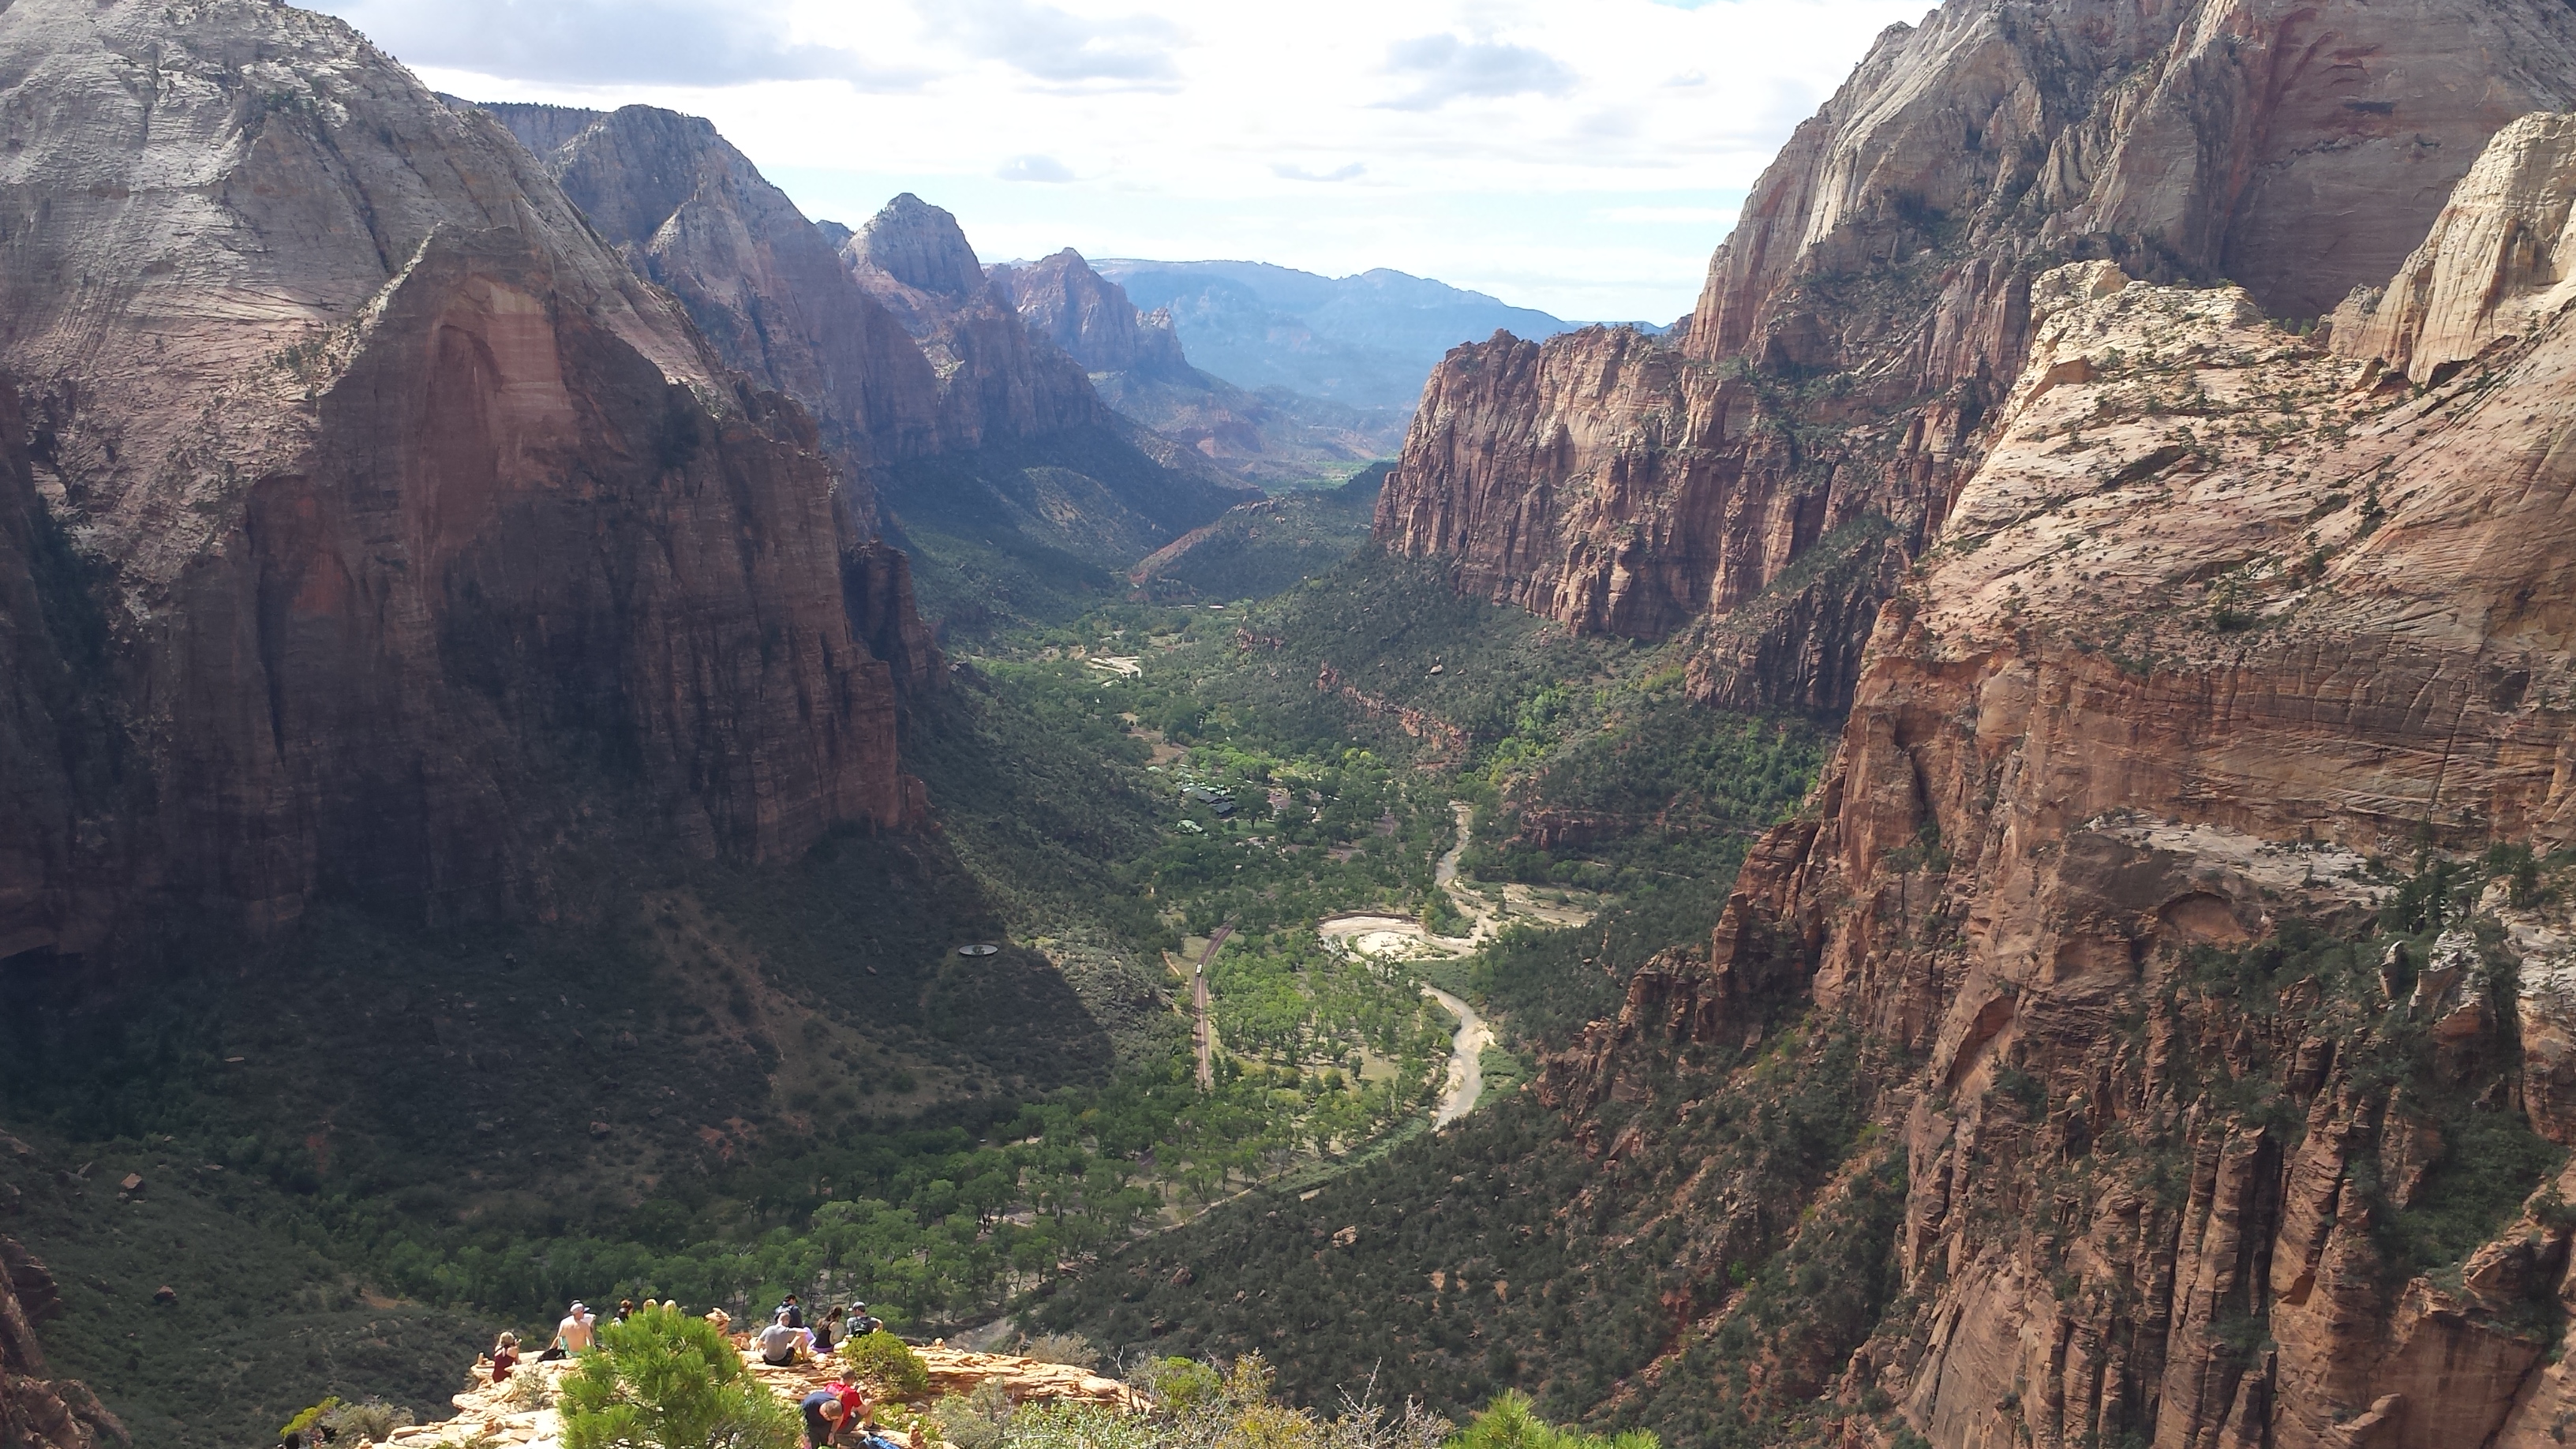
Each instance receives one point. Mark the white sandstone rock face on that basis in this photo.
(2497, 264)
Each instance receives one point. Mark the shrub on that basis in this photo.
(1070, 1349)
(373, 1421)
(976, 1421)
(661, 1380)
(887, 1364)
(1508, 1423)
(307, 1419)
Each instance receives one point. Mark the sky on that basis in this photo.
(1578, 156)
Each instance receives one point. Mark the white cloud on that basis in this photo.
(1352, 172)
(608, 42)
(1537, 151)
(1052, 44)
(1444, 68)
(1034, 168)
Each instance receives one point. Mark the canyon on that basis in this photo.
(1760, 480)
(2141, 439)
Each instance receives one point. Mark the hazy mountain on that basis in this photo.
(1368, 340)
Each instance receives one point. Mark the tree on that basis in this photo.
(663, 1380)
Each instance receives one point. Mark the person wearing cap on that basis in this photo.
(863, 1323)
(575, 1333)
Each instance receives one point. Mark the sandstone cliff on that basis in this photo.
(2218, 629)
(37, 1413)
(1859, 326)
(1089, 318)
(763, 284)
(408, 515)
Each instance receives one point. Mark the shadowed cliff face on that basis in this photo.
(418, 528)
(1858, 328)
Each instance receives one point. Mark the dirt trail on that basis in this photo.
(1466, 1058)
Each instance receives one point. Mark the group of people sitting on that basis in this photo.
(789, 1337)
(836, 1414)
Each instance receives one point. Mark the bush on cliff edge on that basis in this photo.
(662, 1380)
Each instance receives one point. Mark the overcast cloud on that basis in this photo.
(1579, 157)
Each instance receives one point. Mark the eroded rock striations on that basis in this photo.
(2220, 621)
(1840, 374)
(396, 532)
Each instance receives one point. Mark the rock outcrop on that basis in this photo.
(1089, 318)
(37, 1412)
(521, 1412)
(394, 502)
(2498, 262)
(2215, 624)
(1860, 325)
(764, 285)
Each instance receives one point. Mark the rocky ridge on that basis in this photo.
(385, 499)
(520, 1411)
(2222, 623)
(1840, 374)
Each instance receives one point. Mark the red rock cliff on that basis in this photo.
(2216, 620)
(416, 529)
(1858, 326)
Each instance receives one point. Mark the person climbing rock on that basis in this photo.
(505, 1357)
(779, 1342)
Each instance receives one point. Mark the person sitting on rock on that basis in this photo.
(789, 1313)
(505, 1357)
(577, 1332)
(863, 1323)
(780, 1342)
(829, 1330)
(625, 1309)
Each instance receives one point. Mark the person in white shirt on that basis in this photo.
(779, 1342)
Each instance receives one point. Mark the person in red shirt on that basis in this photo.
(505, 1357)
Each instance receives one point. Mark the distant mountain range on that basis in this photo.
(1369, 341)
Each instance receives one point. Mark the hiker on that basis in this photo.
(576, 1333)
(625, 1309)
(789, 1313)
(505, 1357)
(779, 1343)
(828, 1418)
(828, 1330)
(863, 1323)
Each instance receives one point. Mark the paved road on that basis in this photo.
(1466, 1070)
(1203, 1036)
